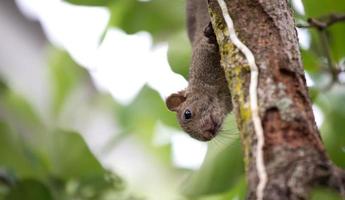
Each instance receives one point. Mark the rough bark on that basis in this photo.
(294, 155)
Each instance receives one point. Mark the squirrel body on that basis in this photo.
(203, 105)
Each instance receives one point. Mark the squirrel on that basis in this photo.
(203, 105)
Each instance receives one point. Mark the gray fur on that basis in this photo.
(207, 94)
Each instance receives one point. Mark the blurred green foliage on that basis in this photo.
(324, 193)
(335, 32)
(133, 16)
(65, 75)
(41, 160)
(213, 177)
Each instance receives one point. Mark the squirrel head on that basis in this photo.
(200, 115)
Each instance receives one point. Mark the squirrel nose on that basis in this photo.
(208, 135)
(210, 129)
(211, 132)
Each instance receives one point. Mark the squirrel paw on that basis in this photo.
(209, 33)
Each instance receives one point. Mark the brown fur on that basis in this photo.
(207, 95)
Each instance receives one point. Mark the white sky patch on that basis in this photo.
(77, 29)
(342, 64)
(162, 134)
(30, 8)
(124, 63)
(309, 80)
(145, 175)
(304, 38)
(298, 6)
(121, 65)
(341, 77)
(188, 152)
(161, 77)
(319, 118)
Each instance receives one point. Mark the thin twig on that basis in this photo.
(328, 53)
(323, 22)
(5, 179)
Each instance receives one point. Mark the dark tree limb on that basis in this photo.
(6, 179)
(294, 155)
(323, 22)
(321, 25)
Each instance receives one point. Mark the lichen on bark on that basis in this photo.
(236, 69)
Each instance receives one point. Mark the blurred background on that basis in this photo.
(82, 112)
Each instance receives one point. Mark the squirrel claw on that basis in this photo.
(209, 33)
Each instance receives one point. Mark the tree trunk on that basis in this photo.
(293, 153)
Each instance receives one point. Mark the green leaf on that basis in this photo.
(337, 40)
(162, 18)
(324, 193)
(238, 191)
(3, 86)
(70, 157)
(25, 131)
(323, 8)
(29, 189)
(332, 130)
(95, 187)
(313, 93)
(61, 154)
(21, 132)
(336, 32)
(222, 167)
(143, 113)
(310, 61)
(16, 156)
(141, 117)
(179, 53)
(65, 75)
(89, 2)
(18, 112)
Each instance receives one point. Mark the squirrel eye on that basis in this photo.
(187, 114)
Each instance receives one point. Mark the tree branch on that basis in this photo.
(321, 25)
(323, 22)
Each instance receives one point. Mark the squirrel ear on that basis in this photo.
(175, 100)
